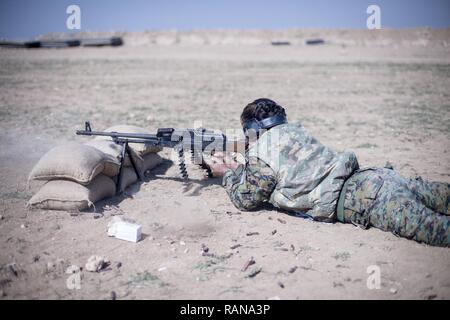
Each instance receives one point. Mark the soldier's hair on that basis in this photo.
(261, 109)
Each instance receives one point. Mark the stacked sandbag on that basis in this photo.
(144, 156)
(78, 175)
(69, 195)
(76, 162)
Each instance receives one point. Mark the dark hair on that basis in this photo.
(261, 109)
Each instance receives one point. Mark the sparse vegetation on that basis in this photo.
(144, 278)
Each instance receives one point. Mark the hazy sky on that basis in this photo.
(21, 19)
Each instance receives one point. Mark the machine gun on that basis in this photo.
(197, 141)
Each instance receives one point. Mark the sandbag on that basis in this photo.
(140, 148)
(69, 195)
(115, 150)
(151, 161)
(148, 162)
(129, 176)
(74, 161)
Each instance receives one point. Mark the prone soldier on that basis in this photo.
(290, 169)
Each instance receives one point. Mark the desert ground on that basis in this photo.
(383, 94)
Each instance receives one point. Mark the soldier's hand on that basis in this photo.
(220, 162)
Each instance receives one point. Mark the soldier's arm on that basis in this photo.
(248, 188)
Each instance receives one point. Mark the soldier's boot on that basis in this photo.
(434, 195)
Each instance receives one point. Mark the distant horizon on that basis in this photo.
(243, 29)
(28, 19)
(256, 29)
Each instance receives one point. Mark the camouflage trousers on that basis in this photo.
(409, 208)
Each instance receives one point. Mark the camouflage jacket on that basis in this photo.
(293, 171)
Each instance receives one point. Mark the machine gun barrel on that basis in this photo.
(142, 136)
(197, 141)
(169, 137)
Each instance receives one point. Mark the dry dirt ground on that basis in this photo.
(385, 102)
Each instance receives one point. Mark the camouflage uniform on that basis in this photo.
(249, 188)
(290, 169)
(413, 209)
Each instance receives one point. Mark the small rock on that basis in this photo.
(96, 263)
(118, 265)
(186, 250)
(162, 269)
(1, 217)
(432, 297)
(12, 268)
(113, 295)
(205, 249)
(22, 226)
(293, 269)
(73, 269)
(182, 243)
(393, 290)
(281, 284)
(36, 258)
(254, 272)
(389, 165)
(51, 266)
(274, 231)
(247, 264)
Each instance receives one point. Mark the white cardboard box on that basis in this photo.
(124, 230)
